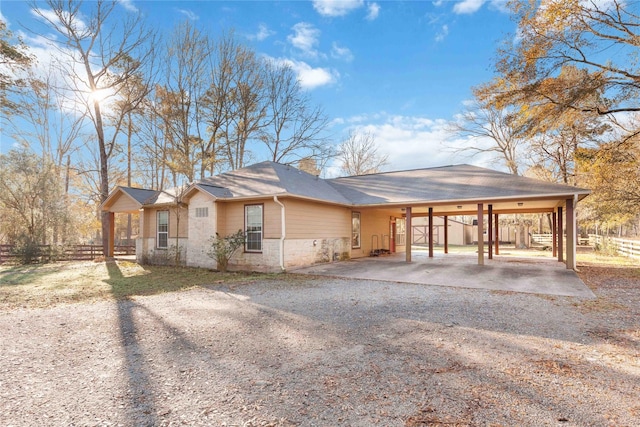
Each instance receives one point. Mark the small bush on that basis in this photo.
(606, 248)
(26, 250)
(223, 248)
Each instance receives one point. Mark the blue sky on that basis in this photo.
(399, 70)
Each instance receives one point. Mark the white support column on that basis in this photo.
(571, 234)
(408, 235)
(480, 234)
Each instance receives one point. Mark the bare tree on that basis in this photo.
(358, 154)
(482, 121)
(294, 128)
(54, 131)
(187, 70)
(150, 159)
(245, 106)
(92, 49)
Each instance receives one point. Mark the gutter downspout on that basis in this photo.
(283, 233)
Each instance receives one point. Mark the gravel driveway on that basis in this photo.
(325, 352)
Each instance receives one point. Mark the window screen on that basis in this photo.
(163, 229)
(253, 227)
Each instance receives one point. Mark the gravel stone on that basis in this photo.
(315, 351)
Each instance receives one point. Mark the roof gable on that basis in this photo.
(269, 179)
(134, 198)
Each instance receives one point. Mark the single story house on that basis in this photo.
(292, 218)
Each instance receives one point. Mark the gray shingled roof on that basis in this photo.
(140, 195)
(270, 178)
(433, 185)
(458, 183)
(165, 197)
(151, 197)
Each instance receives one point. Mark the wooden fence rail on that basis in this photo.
(626, 247)
(47, 253)
(547, 239)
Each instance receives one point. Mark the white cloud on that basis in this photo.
(263, 33)
(443, 33)
(336, 7)
(468, 6)
(192, 16)
(340, 52)
(128, 5)
(305, 38)
(500, 5)
(416, 142)
(309, 77)
(374, 11)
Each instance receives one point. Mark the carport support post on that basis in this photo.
(112, 234)
(554, 234)
(497, 239)
(446, 234)
(430, 232)
(408, 234)
(490, 230)
(480, 234)
(571, 235)
(560, 235)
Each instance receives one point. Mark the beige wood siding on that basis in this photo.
(150, 219)
(305, 220)
(124, 203)
(231, 218)
(373, 223)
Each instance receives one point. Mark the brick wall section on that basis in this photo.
(201, 230)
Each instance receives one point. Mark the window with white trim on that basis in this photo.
(162, 240)
(253, 220)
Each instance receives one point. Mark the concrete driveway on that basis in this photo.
(537, 275)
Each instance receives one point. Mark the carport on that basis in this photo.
(468, 190)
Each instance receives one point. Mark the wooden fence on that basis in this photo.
(547, 239)
(46, 253)
(626, 247)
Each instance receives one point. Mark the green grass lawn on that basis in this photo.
(45, 285)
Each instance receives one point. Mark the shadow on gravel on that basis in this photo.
(140, 391)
